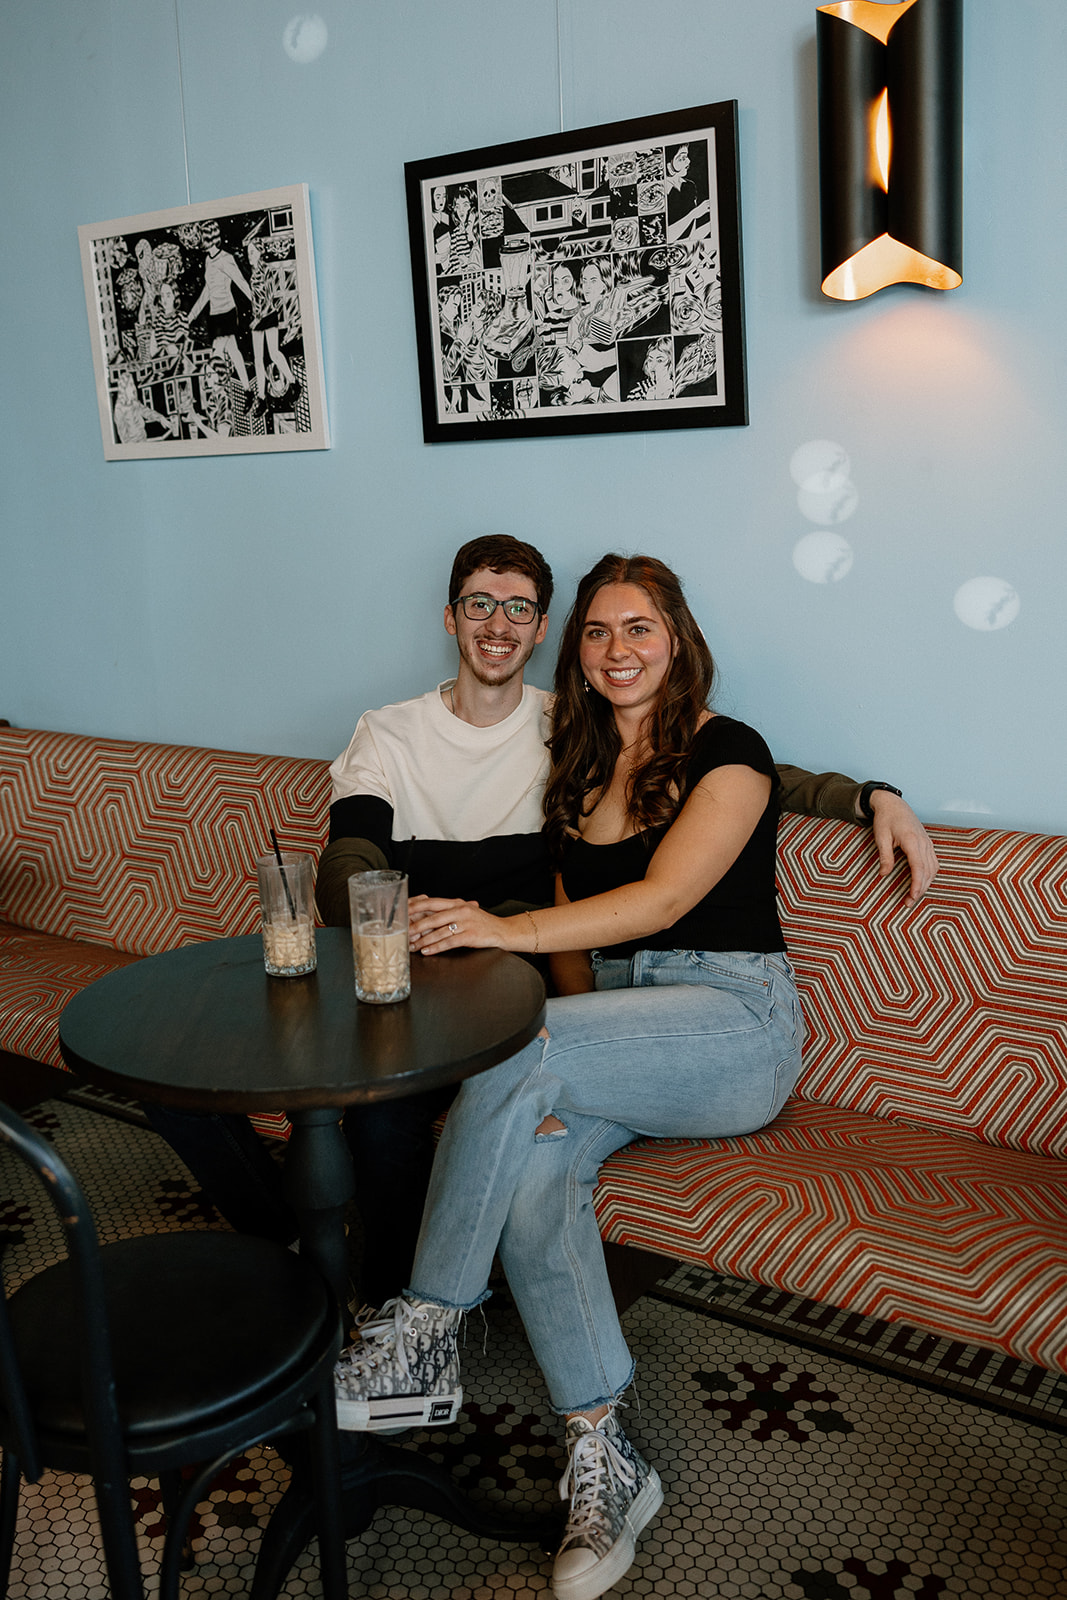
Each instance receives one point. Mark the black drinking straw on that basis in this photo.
(281, 869)
(400, 885)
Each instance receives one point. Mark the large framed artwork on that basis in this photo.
(585, 282)
(204, 328)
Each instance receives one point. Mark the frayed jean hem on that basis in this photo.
(594, 1405)
(446, 1305)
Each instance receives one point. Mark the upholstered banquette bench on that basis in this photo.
(917, 1174)
(111, 850)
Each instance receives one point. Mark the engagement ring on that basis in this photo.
(453, 927)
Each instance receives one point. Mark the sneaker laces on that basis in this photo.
(393, 1321)
(595, 1462)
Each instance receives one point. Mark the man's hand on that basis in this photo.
(896, 827)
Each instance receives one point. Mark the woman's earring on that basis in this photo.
(585, 685)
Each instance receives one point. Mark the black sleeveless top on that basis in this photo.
(740, 912)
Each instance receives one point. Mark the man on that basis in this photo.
(448, 787)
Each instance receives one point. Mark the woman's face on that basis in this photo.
(680, 160)
(627, 648)
(562, 283)
(593, 284)
(657, 358)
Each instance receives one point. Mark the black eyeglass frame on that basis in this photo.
(487, 599)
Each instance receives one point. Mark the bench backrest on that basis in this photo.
(950, 1014)
(145, 846)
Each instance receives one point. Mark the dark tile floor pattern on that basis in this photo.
(986, 1377)
(790, 1473)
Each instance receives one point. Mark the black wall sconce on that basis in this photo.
(890, 145)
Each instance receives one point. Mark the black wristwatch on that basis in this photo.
(865, 797)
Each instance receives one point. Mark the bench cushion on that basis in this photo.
(38, 975)
(892, 1221)
(951, 1014)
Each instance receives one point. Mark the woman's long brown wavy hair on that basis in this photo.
(584, 743)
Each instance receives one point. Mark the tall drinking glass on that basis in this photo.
(379, 905)
(287, 905)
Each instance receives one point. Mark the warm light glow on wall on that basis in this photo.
(890, 145)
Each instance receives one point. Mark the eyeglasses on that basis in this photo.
(480, 607)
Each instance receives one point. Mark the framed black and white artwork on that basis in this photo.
(204, 328)
(585, 282)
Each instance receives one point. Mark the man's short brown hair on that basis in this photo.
(499, 552)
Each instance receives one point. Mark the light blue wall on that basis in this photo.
(261, 602)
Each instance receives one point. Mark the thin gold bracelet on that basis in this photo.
(537, 943)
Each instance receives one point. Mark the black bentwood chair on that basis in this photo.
(154, 1354)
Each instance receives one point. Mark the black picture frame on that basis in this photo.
(584, 282)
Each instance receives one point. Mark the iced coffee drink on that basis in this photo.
(379, 904)
(383, 972)
(289, 947)
(287, 910)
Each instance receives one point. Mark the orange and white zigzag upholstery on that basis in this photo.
(965, 1239)
(38, 975)
(145, 846)
(918, 1173)
(949, 1014)
(135, 847)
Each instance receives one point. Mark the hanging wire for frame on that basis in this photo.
(181, 102)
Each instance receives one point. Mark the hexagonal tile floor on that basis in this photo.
(790, 1473)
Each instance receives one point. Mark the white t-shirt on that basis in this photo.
(476, 792)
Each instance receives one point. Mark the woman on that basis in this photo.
(657, 373)
(663, 818)
(464, 231)
(558, 303)
(564, 382)
(608, 313)
(686, 210)
(267, 326)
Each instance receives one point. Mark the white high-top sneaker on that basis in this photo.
(403, 1370)
(613, 1493)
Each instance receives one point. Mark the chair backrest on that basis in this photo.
(83, 1250)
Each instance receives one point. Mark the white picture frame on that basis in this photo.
(204, 328)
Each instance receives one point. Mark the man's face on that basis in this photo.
(497, 649)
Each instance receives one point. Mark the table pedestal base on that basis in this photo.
(375, 1474)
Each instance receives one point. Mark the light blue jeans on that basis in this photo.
(675, 1042)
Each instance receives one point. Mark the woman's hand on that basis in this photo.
(437, 925)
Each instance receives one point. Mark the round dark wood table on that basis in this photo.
(205, 1028)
